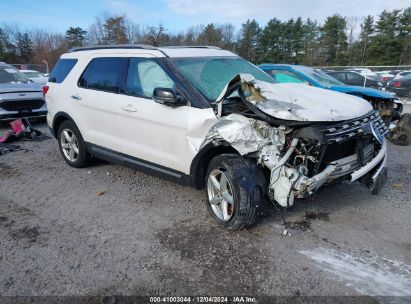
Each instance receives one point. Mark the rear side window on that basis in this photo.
(353, 76)
(106, 74)
(339, 76)
(61, 70)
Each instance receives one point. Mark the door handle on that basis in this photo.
(76, 97)
(129, 108)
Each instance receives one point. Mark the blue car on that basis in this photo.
(385, 102)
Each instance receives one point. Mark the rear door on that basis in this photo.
(97, 97)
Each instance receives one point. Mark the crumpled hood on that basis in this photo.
(362, 91)
(296, 102)
(20, 87)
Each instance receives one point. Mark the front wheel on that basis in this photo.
(234, 189)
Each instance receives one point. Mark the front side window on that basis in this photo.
(318, 76)
(106, 74)
(286, 77)
(211, 74)
(61, 70)
(144, 75)
(9, 74)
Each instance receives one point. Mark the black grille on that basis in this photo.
(352, 128)
(21, 105)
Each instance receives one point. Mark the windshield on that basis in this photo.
(318, 76)
(9, 74)
(211, 74)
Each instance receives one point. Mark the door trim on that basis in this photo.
(140, 164)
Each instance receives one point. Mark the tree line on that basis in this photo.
(385, 40)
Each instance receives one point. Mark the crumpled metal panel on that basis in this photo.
(297, 102)
(244, 134)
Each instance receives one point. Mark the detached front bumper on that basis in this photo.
(377, 168)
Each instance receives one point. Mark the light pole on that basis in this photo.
(47, 65)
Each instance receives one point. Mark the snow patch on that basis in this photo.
(370, 276)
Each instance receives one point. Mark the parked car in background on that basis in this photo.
(357, 79)
(208, 118)
(383, 101)
(362, 71)
(385, 76)
(402, 74)
(19, 96)
(401, 86)
(35, 76)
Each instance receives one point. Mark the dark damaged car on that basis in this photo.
(212, 120)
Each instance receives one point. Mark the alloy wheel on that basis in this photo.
(220, 195)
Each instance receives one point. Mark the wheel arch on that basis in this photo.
(200, 162)
(59, 118)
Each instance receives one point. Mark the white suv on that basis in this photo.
(210, 119)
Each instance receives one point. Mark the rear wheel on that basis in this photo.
(234, 189)
(72, 145)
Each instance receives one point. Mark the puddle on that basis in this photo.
(305, 223)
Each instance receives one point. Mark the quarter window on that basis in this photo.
(144, 75)
(61, 70)
(106, 73)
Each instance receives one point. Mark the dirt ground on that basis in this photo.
(107, 229)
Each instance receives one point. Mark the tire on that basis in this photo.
(74, 152)
(235, 205)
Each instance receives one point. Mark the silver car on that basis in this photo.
(19, 96)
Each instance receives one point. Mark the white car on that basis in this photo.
(19, 97)
(364, 72)
(210, 119)
(35, 76)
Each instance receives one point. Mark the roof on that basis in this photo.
(168, 51)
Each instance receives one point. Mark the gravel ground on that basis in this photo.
(107, 229)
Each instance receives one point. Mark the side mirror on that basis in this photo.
(167, 97)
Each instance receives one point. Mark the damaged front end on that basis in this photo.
(298, 148)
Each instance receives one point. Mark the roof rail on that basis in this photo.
(114, 46)
(191, 47)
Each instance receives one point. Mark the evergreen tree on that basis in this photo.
(210, 35)
(7, 48)
(405, 36)
(24, 48)
(75, 36)
(385, 47)
(367, 29)
(333, 41)
(270, 44)
(247, 43)
(115, 30)
(310, 34)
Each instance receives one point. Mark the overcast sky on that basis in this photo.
(179, 14)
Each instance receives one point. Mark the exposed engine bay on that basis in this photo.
(299, 153)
